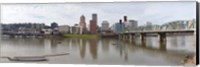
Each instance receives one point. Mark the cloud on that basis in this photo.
(69, 13)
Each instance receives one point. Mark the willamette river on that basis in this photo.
(102, 50)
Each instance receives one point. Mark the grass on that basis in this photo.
(81, 35)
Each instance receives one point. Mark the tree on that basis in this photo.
(54, 25)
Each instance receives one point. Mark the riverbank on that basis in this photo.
(81, 35)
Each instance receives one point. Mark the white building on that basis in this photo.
(112, 28)
(149, 26)
(105, 26)
(64, 28)
(132, 24)
(47, 31)
(75, 29)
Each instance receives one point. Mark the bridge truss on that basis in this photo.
(174, 25)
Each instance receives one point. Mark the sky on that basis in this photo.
(69, 13)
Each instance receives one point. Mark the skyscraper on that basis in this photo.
(92, 26)
(93, 23)
(82, 24)
(125, 18)
(119, 27)
(94, 17)
(125, 28)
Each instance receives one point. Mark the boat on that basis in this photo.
(32, 58)
(41, 58)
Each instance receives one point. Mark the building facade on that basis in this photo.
(94, 17)
(64, 29)
(93, 26)
(105, 26)
(47, 31)
(82, 24)
(119, 27)
(132, 25)
(75, 29)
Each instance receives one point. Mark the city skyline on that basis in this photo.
(69, 14)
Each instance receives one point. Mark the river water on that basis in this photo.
(102, 50)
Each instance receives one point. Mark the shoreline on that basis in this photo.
(81, 35)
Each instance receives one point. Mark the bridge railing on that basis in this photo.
(143, 30)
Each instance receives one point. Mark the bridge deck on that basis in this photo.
(161, 31)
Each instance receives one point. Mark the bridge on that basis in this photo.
(162, 31)
(161, 34)
(182, 26)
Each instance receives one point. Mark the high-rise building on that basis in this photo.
(125, 19)
(82, 24)
(92, 26)
(105, 26)
(119, 27)
(94, 17)
(93, 23)
(126, 24)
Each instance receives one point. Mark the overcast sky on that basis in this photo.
(69, 13)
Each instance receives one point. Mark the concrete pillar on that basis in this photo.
(162, 40)
(123, 36)
(133, 37)
(12, 36)
(127, 37)
(143, 38)
(119, 36)
(130, 37)
(162, 37)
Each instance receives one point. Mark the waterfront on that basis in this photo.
(102, 50)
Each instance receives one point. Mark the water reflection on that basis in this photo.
(47, 46)
(54, 45)
(104, 50)
(93, 48)
(105, 45)
(82, 47)
(125, 53)
(163, 45)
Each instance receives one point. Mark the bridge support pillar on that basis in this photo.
(127, 37)
(162, 40)
(162, 37)
(11, 36)
(143, 38)
(133, 37)
(130, 37)
(123, 37)
(119, 36)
